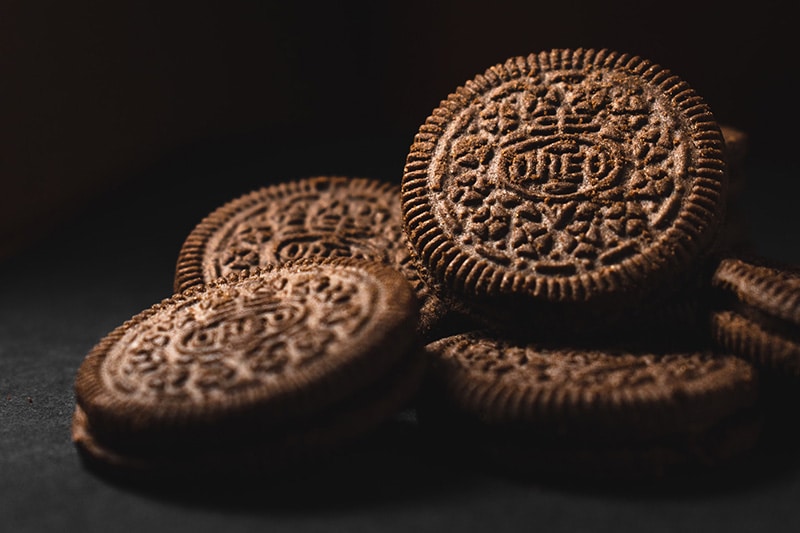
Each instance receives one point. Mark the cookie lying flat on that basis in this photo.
(758, 316)
(272, 449)
(250, 358)
(599, 408)
(308, 218)
(571, 176)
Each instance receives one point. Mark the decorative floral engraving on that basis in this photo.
(317, 217)
(561, 173)
(339, 218)
(586, 370)
(231, 339)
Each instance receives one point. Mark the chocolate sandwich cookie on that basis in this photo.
(603, 412)
(580, 178)
(301, 443)
(315, 217)
(252, 358)
(758, 312)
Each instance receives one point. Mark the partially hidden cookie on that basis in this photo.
(736, 148)
(585, 178)
(617, 413)
(757, 315)
(317, 217)
(735, 236)
(250, 361)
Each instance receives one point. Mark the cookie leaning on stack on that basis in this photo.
(568, 185)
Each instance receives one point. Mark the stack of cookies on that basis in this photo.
(293, 331)
(553, 282)
(571, 203)
(251, 372)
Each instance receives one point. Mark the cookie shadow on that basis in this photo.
(774, 460)
(393, 464)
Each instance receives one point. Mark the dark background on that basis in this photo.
(96, 94)
(123, 123)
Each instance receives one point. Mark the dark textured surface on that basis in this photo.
(118, 258)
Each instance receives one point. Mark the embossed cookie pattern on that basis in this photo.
(235, 339)
(563, 172)
(338, 218)
(312, 218)
(589, 372)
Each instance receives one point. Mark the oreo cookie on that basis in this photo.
(564, 182)
(598, 412)
(757, 314)
(251, 370)
(317, 217)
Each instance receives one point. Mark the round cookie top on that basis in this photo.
(565, 176)
(274, 344)
(769, 288)
(316, 217)
(593, 393)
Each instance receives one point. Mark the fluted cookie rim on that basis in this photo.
(757, 282)
(761, 346)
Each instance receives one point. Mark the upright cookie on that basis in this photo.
(317, 217)
(247, 356)
(555, 404)
(568, 176)
(758, 313)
